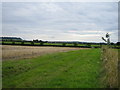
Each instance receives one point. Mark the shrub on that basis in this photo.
(75, 44)
(32, 43)
(13, 42)
(2, 42)
(63, 44)
(41, 43)
(22, 42)
(88, 44)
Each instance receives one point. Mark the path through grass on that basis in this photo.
(73, 69)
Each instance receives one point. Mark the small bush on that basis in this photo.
(32, 43)
(22, 42)
(75, 44)
(41, 43)
(2, 42)
(64, 44)
(88, 44)
(13, 42)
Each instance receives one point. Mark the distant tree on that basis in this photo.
(89, 44)
(112, 43)
(63, 44)
(75, 44)
(45, 41)
(22, 42)
(32, 43)
(118, 43)
(13, 42)
(41, 43)
(35, 40)
(2, 42)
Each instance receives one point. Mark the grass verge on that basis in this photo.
(110, 67)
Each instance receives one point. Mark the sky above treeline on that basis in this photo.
(64, 21)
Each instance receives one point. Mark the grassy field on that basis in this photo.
(61, 44)
(72, 69)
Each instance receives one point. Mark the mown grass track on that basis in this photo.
(73, 69)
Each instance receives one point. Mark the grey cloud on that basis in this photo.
(50, 20)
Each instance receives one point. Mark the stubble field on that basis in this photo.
(23, 52)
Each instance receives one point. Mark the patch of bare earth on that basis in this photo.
(22, 52)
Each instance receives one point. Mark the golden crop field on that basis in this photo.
(23, 52)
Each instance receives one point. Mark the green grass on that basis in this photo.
(73, 69)
(8, 42)
(52, 43)
(95, 45)
(67, 44)
(27, 42)
(17, 42)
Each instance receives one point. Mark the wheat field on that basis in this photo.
(24, 52)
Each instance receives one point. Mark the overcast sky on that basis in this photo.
(65, 21)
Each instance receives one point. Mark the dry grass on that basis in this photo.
(22, 52)
(110, 66)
